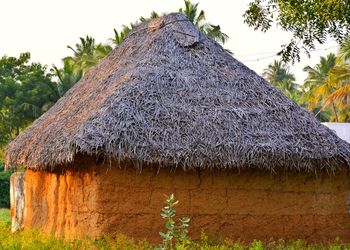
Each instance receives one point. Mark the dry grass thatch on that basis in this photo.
(169, 95)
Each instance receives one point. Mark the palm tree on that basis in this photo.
(317, 85)
(119, 37)
(67, 76)
(198, 19)
(278, 74)
(340, 77)
(344, 50)
(87, 54)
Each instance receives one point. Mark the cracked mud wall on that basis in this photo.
(248, 205)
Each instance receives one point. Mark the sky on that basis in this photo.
(45, 28)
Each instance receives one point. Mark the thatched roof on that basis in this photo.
(169, 95)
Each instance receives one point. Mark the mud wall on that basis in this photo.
(246, 205)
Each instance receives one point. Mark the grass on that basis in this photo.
(5, 217)
(32, 239)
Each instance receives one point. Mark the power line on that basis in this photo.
(275, 54)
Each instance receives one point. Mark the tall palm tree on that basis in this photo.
(278, 74)
(340, 76)
(67, 76)
(87, 53)
(317, 85)
(339, 79)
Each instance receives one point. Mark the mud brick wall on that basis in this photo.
(108, 198)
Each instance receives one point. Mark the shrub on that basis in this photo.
(4, 187)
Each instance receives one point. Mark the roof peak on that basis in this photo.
(185, 31)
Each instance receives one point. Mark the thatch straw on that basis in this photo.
(169, 95)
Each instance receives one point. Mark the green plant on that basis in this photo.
(5, 188)
(177, 232)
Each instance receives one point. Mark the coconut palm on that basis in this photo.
(339, 79)
(198, 19)
(87, 54)
(340, 75)
(317, 86)
(278, 74)
(344, 50)
(67, 76)
(120, 36)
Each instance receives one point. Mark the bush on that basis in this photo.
(4, 187)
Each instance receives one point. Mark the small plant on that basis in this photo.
(177, 232)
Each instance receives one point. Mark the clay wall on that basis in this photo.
(247, 205)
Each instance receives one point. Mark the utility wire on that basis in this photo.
(275, 54)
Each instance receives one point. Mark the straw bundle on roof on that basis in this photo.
(169, 95)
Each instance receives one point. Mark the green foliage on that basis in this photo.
(69, 75)
(177, 232)
(308, 21)
(326, 90)
(5, 189)
(119, 37)
(26, 92)
(198, 19)
(2, 165)
(86, 54)
(278, 74)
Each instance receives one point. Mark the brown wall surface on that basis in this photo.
(225, 204)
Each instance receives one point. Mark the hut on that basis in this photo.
(170, 111)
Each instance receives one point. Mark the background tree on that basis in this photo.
(339, 78)
(120, 36)
(198, 19)
(278, 74)
(69, 75)
(26, 91)
(87, 54)
(310, 22)
(315, 87)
